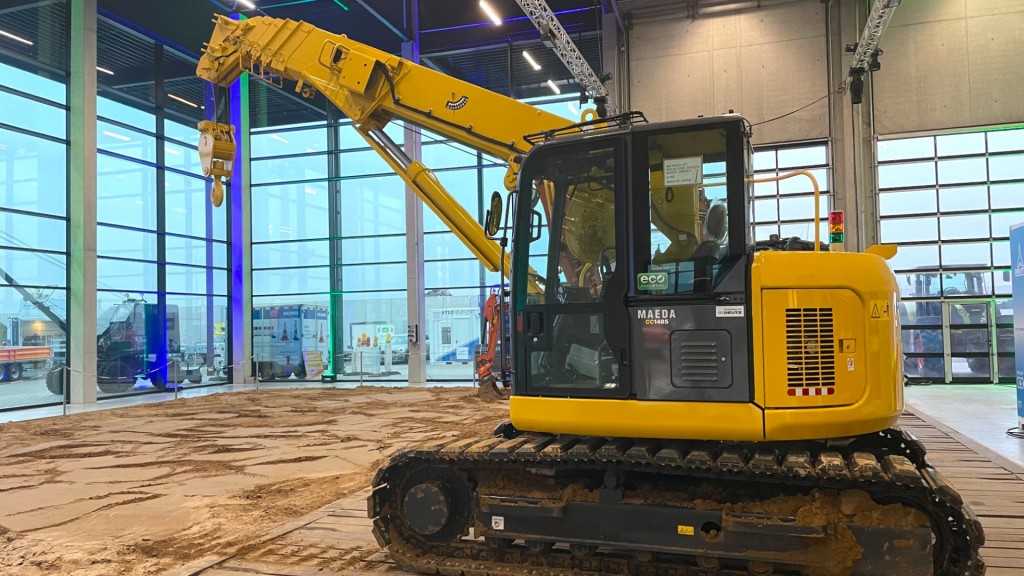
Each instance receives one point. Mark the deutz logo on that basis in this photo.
(652, 281)
(456, 104)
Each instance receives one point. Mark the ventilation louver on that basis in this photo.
(810, 348)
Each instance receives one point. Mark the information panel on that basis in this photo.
(1017, 261)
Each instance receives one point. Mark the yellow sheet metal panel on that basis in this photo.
(867, 277)
(638, 419)
(810, 340)
(757, 342)
(871, 415)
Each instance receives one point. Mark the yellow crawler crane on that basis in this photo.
(684, 401)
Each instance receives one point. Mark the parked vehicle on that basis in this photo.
(15, 360)
(127, 349)
(969, 321)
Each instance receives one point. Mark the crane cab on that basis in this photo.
(641, 308)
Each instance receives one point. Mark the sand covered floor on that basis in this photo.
(144, 489)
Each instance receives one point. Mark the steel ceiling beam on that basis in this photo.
(398, 31)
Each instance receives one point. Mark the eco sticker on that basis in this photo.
(652, 281)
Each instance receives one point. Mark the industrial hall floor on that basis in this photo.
(273, 481)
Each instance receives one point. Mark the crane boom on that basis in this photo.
(372, 88)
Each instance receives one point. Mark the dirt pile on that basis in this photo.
(140, 490)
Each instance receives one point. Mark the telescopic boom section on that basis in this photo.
(372, 88)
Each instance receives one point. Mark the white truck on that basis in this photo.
(283, 335)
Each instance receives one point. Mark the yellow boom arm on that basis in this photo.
(372, 88)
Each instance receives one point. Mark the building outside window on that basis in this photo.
(948, 202)
(786, 208)
(161, 246)
(33, 202)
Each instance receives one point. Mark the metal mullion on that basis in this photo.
(295, 155)
(33, 97)
(334, 245)
(137, 130)
(295, 241)
(34, 250)
(4, 209)
(34, 134)
(481, 202)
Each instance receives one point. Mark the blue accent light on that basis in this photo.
(282, 4)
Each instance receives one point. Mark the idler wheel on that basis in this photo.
(426, 508)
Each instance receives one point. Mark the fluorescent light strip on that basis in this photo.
(18, 38)
(246, 3)
(116, 135)
(575, 111)
(172, 151)
(490, 12)
(531, 60)
(182, 100)
(554, 88)
(104, 70)
(279, 139)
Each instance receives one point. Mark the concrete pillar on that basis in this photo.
(240, 237)
(615, 61)
(82, 209)
(853, 143)
(414, 237)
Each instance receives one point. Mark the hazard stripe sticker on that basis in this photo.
(819, 391)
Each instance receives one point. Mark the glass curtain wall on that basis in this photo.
(33, 201)
(948, 201)
(291, 253)
(786, 207)
(457, 285)
(162, 248)
(329, 248)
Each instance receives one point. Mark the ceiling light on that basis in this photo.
(182, 100)
(575, 111)
(18, 38)
(104, 70)
(279, 139)
(531, 60)
(490, 12)
(554, 88)
(246, 3)
(116, 135)
(173, 151)
(311, 191)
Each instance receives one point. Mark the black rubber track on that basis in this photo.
(890, 465)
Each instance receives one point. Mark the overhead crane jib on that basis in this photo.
(373, 88)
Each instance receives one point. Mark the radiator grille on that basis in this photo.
(810, 347)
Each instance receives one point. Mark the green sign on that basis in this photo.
(652, 281)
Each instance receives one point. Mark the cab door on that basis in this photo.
(570, 272)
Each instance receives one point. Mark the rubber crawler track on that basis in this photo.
(890, 465)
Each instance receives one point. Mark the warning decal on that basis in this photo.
(880, 310)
